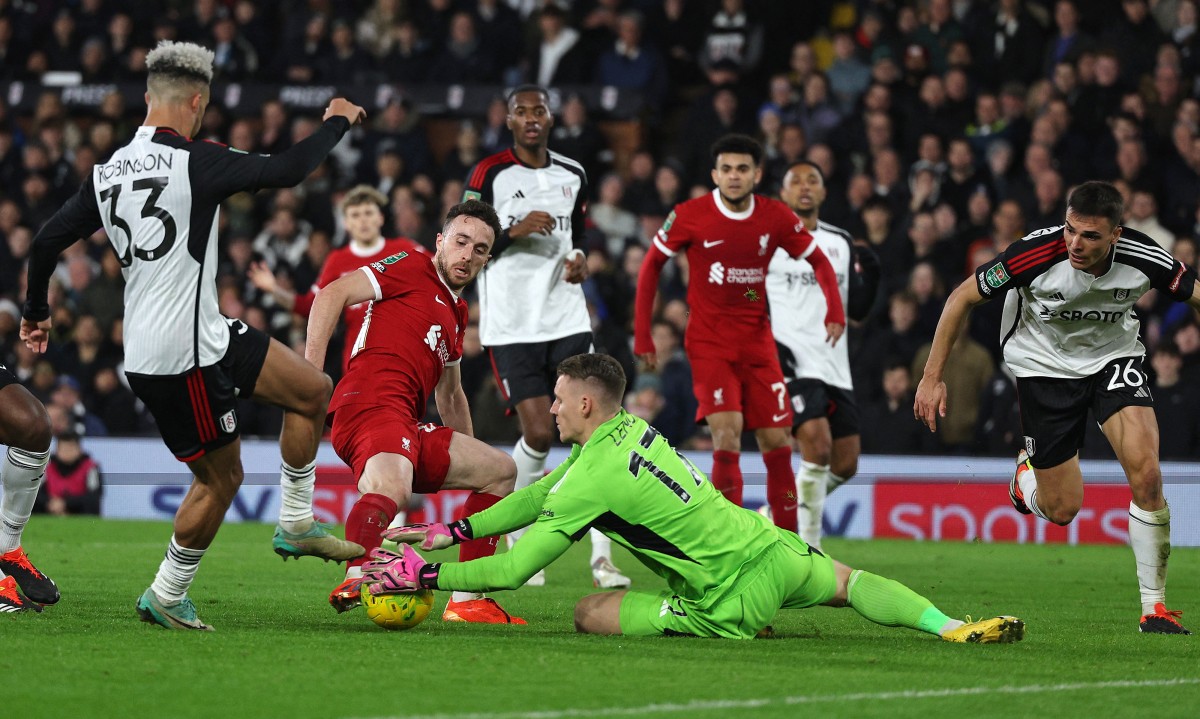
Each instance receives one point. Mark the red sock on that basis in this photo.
(369, 516)
(727, 475)
(481, 546)
(781, 487)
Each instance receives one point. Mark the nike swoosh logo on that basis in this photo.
(712, 243)
(438, 299)
(778, 417)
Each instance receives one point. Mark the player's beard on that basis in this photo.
(440, 263)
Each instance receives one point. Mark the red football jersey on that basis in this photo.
(413, 329)
(341, 262)
(727, 258)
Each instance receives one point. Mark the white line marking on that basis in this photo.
(720, 704)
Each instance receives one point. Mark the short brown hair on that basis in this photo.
(361, 195)
(478, 209)
(599, 369)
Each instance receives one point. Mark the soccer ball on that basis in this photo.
(397, 611)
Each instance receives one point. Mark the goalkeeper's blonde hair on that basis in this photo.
(178, 70)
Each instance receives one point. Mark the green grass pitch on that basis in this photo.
(280, 651)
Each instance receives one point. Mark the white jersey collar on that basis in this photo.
(744, 214)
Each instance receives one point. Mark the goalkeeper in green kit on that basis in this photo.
(728, 569)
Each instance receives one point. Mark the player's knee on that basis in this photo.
(503, 477)
(819, 454)
(33, 432)
(1062, 514)
(318, 399)
(539, 438)
(844, 467)
(585, 616)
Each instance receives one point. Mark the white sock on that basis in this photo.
(834, 482)
(355, 572)
(296, 490)
(1150, 538)
(465, 596)
(601, 546)
(811, 483)
(176, 572)
(530, 465)
(1027, 481)
(21, 477)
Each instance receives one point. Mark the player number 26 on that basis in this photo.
(1127, 376)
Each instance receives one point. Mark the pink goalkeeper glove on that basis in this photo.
(431, 536)
(395, 573)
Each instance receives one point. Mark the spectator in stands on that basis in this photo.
(499, 30)
(345, 62)
(68, 396)
(848, 75)
(375, 30)
(495, 135)
(1133, 34)
(399, 127)
(1175, 405)
(888, 423)
(618, 225)
(733, 35)
(114, 404)
(1065, 45)
(938, 33)
(967, 378)
(464, 58)
(899, 338)
(298, 61)
(1142, 215)
(411, 55)
(999, 425)
(577, 137)
(73, 480)
(559, 58)
(632, 64)
(236, 59)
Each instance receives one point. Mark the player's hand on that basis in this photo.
(576, 267)
(262, 277)
(394, 572)
(649, 360)
(343, 107)
(536, 222)
(833, 332)
(36, 335)
(430, 536)
(930, 402)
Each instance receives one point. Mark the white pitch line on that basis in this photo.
(725, 704)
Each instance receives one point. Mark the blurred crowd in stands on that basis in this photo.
(946, 130)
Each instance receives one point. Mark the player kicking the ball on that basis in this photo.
(410, 345)
(727, 568)
(1071, 338)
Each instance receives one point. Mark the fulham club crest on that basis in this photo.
(228, 422)
(1120, 294)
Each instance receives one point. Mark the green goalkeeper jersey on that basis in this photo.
(630, 484)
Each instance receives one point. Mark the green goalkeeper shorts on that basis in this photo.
(789, 575)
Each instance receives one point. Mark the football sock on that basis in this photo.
(890, 603)
(369, 516)
(834, 482)
(21, 476)
(475, 548)
(727, 475)
(1027, 481)
(601, 545)
(1150, 538)
(296, 496)
(176, 572)
(813, 486)
(530, 465)
(781, 487)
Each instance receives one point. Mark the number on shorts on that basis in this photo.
(1127, 376)
(780, 390)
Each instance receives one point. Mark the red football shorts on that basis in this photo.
(362, 431)
(756, 390)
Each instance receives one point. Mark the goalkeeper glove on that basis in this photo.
(431, 536)
(396, 573)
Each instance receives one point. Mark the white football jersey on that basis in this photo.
(798, 310)
(523, 297)
(1064, 322)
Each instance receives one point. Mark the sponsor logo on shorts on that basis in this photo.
(229, 422)
(719, 396)
(1030, 446)
(406, 443)
(996, 276)
(779, 417)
